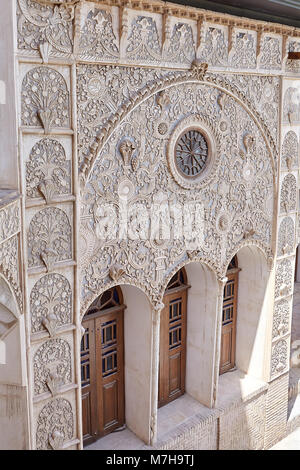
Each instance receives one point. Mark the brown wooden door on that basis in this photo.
(172, 354)
(227, 360)
(102, 374)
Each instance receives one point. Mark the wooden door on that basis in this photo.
(228, 341)
(102, 373)
(172, 354)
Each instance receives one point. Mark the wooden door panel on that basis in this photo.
(175, 374)
(228, 339)
(102, 374)
(110, 405)
(86, 416)
(172, 347)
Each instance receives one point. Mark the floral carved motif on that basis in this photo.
(286, 237)
(52, 366)
(9, 221)
(288, 195)
(284, 278)
(214, 47)
(180, 47)
(45, 99)
(97, 37)
(10, 265)
(48, 171)
(49, 238)
(45, 28)
(291, 106)
(244, 50)
(271, 55)
(143, 41)
(279, 361)
(50, 297)
(290, 151)
(281, 319)
(55, 425)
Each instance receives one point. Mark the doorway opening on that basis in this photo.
(102, 366)
(172, 353)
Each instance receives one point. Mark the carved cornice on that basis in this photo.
(196, 14)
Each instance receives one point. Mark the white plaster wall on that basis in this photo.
(255, 309)
(138, 361)
(201, 332)
(8, 135)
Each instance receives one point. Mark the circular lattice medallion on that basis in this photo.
(192, 152)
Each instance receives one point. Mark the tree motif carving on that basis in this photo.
(52, 366)
(244, 50)
(180, 46)
(214, 46)
(270, 57)
(281, 319)
(284, 279)
(51, 295)
(55, 425)
(48, 171)
(279, 362)
(291, 106)
(286, 237)
(45, 99)
(288, 195)
(49, 238)
(290, 151)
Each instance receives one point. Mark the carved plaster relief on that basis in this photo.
(288, 195)
(242, 187)
(284, 278)
(48, 173)
(271, 52)
(50, 303)
(55, 425)
(9, 220)
(290, 151)
(279, 361)
(45, 99)
(99, 39)
(179, 46)
(214, 45)
(243, 54)
(52, 366)
(281, 319)
(143, 43)
(10, 266)
(49, 238)
(45, 29)
(291, 106)
(286, 237)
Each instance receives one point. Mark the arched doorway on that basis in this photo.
(172, 353)
(229, 318)
(102, 366)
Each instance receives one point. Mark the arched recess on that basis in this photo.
(13, 415)
(254, 311)
(202, 327)
(137, 363)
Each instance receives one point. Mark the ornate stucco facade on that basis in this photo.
(93, 99)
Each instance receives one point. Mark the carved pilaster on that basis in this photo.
(158, 307)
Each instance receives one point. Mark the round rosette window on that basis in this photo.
(192, 152)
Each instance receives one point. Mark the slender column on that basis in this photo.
(155, 369)
(221, 285)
